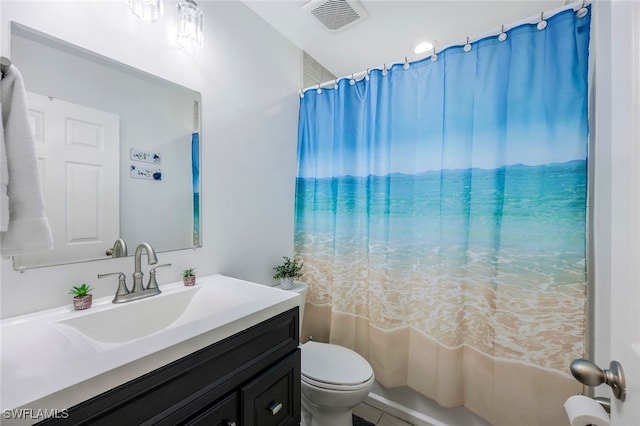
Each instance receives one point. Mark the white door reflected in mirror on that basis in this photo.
(79, 146)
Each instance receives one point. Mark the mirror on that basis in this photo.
(118, 151)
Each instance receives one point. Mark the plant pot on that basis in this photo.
(286, 283)
(82, 302)
(189, 281)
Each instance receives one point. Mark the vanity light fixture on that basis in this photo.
(147, 10)
(189, 25)
(423, 46)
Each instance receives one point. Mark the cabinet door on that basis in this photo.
(273, 398)
(224, 413)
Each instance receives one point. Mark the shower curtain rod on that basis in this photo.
(530, 20)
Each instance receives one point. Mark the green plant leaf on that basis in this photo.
(289, 268)
(82, 290)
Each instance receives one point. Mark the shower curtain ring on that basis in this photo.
(406, 63)
(434, 56)
(583, 11)
(542, 24)
(319, 89)
(384, 69)
(502, 36)
(352, 81)
(467, 47)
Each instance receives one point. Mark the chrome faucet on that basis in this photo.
(119, 249)
(137, 291)
(152, 259)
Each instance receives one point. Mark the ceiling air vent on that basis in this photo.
(336, 15)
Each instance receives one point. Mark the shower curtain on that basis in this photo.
(441, 219)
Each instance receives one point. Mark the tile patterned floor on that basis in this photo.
(378, 417)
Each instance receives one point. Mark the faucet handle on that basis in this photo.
(122, 284)
(158, 266)
(153, 284)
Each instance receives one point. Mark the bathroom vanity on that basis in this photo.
(226, 353)
(250, 378)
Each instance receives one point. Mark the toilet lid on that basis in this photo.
(334, 364)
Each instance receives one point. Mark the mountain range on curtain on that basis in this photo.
(441, 219)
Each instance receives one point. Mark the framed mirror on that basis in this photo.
(118, 151)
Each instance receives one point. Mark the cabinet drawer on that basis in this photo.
(224, 413)
(273, 398)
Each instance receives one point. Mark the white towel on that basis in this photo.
(27, 228)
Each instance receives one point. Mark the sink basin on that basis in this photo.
(118, 324)
(132, 320)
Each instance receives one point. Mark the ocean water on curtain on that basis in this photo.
(510, 237)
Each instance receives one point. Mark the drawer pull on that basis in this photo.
(275, 407)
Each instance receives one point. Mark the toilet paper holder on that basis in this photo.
(588, 373)
(604, 402)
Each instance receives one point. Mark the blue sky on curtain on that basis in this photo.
(441, 217)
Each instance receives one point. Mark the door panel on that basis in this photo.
(78, 156)
(617, 200)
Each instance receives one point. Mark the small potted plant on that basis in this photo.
(287, 271)
(81, 299)
(188, 277)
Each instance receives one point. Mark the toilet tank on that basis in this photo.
(300, 288)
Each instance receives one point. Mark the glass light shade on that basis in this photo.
(189, 25)
(147, 10)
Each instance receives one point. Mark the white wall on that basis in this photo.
(249, 76)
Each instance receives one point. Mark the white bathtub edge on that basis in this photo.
(408, 405)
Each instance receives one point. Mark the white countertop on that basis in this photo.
(49, 365)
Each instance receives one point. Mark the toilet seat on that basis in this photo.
(334, 367)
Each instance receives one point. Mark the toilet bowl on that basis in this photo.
(334, 379)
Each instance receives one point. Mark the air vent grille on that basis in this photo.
(336, 15)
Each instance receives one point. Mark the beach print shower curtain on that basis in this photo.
(441, 219)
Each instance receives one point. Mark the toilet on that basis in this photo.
(334, 379)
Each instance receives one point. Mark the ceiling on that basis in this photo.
(393, 27)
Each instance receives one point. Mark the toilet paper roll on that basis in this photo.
(583, 411)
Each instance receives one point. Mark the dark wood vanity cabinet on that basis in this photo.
(251, 378)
